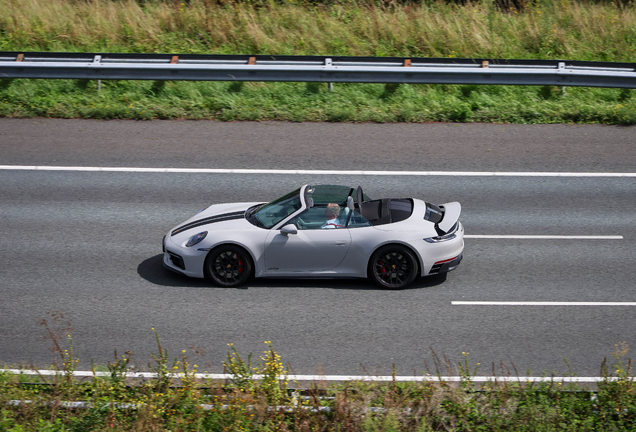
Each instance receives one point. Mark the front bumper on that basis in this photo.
(185, 261)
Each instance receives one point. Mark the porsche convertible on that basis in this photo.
(323, 231)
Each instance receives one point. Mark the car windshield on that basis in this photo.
(268, 215)
(325, 194)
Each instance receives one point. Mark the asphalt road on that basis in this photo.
(88, 244)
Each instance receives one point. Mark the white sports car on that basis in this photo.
(320, 231)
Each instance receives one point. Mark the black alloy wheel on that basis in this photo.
(228, 266)
(393, 267)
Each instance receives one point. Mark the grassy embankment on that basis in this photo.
(190, 403)
(574, 30)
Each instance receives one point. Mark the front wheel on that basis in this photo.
(393, 267)
(228, 266)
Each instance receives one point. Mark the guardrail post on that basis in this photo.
(562, 69)
(98, 59)
(328, 62)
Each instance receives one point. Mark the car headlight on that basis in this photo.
(196, 239)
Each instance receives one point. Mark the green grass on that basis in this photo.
(542, 30)
(313, 102)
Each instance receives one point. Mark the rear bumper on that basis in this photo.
(446, 265)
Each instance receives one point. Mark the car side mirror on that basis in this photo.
(289, 229)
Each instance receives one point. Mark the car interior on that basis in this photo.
(355, 214)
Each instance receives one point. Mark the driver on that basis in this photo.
(331, 215)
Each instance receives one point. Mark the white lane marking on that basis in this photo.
(539, 303)
(315, 172)
(318, 378)
(323, 172)
(548, 237)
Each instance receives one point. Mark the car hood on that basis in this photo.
(217, 217)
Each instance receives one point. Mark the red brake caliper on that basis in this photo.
(383, 269)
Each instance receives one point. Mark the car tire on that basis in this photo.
(228, 266)
(393, 267)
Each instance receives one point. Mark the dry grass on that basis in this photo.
(563, 29)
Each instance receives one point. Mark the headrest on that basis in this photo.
(350, 203)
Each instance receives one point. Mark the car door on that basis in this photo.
(307, 251)
(311, 249)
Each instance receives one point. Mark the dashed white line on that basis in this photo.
(332, 172)
(315, 172)
(539, 303)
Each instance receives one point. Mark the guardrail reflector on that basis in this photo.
(174, 60)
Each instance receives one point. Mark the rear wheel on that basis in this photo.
(228, 266)
(393, 267)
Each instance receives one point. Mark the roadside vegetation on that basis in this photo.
(260, 397)
(515, 29)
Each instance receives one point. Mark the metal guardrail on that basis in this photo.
(315, 69)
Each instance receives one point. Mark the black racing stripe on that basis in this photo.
(212, 218)
(209, 220)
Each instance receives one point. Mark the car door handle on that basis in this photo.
(339, 243)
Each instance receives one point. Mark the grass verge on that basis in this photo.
(258, 397)
(297, 102)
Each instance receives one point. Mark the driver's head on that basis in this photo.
(332, 211)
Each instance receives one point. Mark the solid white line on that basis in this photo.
(314, 172)
(548, 237)
(318, 378)
(539, 303)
